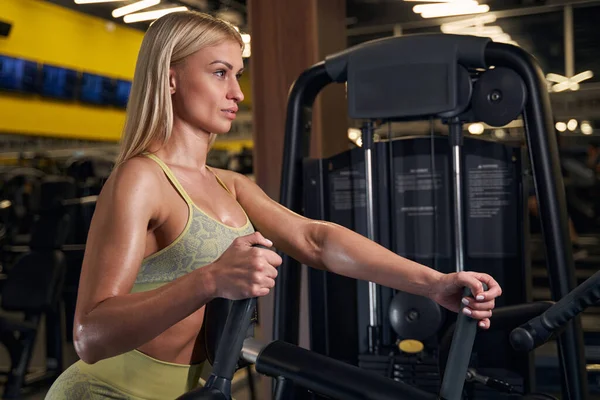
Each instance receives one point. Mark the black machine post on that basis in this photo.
(374, 328)
(287, 289)
(549, 186)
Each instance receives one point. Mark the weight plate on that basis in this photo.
(414, 317)
(498, 96)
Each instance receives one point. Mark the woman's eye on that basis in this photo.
(220, 73)
(238, 76)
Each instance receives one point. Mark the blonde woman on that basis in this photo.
(169, 233)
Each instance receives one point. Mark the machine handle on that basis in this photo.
(460, 354)
(541, 328)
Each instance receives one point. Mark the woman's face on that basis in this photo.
(205, 88)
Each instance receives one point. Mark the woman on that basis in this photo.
(169, 233)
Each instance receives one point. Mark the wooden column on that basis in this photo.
(288, 36)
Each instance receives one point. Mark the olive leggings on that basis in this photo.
(129, 376)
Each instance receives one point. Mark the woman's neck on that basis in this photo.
(186, 148)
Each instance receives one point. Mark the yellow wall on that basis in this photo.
(50, 34)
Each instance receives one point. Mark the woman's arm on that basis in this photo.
(109, 320)
(328, 246)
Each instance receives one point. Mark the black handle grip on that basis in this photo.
(230, 345)
(229, 350)
(541, 328)
(460, 354)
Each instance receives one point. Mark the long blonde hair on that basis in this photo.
(168, 41)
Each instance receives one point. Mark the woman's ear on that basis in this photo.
(172, 80)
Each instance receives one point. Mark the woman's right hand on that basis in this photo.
(243, 270)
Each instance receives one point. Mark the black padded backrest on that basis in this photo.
(35, 282)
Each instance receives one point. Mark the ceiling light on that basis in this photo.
(150, 15)
(564, 83)
(479, 20)
(476, 129)
(501, 38)
(421, 8)
(586, 128)
(95, 1)
(561, 126)
(475, 26)
(572, 125)
(354, 134)
(247, 50)
(500, 133)
(137, 6)
(481, 30)
(480, 9)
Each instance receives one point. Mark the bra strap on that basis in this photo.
(219, 180)
(171, 177)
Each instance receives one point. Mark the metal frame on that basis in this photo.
(549, 185)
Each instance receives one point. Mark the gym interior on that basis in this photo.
(487, 160)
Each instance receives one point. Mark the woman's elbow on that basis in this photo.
(84, 345)
(315, 240)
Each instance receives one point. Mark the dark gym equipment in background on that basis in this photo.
(46, 207)
(432, 87)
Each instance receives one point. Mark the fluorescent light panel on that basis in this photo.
(95, 1)
(563, 83)
(151, 15)
(468, 23)
(456, 10)
(447, 8)
(421, 8)
(131, 8)
(486, 31)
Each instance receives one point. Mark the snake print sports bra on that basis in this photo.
(202, 241)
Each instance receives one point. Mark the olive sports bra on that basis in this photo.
(202, 241)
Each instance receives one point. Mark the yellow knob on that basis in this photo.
(411, 346)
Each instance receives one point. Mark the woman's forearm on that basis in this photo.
(125, 322)
(347, 253)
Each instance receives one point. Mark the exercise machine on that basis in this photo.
(447, 77)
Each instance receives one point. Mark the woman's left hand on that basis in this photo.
(448, 292)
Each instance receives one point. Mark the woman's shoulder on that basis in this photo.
(129, 178)
(131, 192)
(138, 169)
(230, 178)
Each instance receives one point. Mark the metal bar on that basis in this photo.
(458, 210)
(373, 288)
(251, 350)
(287, 290)
(569, 42)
